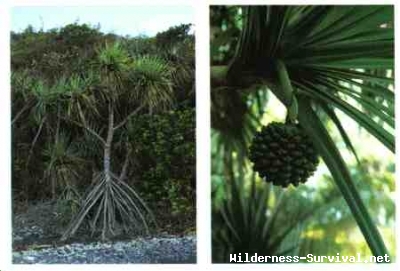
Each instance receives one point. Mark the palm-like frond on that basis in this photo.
(77, 99)
(21, 84)
(62, 163)
(151, 79)
(257, 218)
(181, 58)
(113, 63)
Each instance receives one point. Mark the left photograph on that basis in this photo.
(103, 135)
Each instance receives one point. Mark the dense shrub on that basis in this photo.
(165, 150)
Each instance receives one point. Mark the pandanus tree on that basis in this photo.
(84, 121)
(317, 60)
(125, 87)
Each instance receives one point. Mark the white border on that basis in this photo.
(203, 135)
(5, 146)
(202, 147)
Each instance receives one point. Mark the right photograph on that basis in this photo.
(302, 116)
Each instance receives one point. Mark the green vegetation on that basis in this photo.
(328, 69)
(104, 126)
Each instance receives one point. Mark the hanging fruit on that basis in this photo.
(283, 154)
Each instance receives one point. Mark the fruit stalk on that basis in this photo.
(286, 94)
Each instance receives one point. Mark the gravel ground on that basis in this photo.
(27, 233)
(151, 250)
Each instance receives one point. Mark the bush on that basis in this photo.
(165, 150)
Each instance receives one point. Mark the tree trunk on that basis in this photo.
(107, 146)
(124, 169)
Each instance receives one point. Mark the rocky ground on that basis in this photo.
(36, 240)
(152, 250)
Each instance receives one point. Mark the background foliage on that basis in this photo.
(165, 146)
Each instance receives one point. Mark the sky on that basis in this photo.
(124, 20)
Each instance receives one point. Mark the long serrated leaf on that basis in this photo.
(374, 107)
(332, 115)
(371, 126)
(340, 173)
(353, 74)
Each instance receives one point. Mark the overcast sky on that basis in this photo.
(124, 20)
